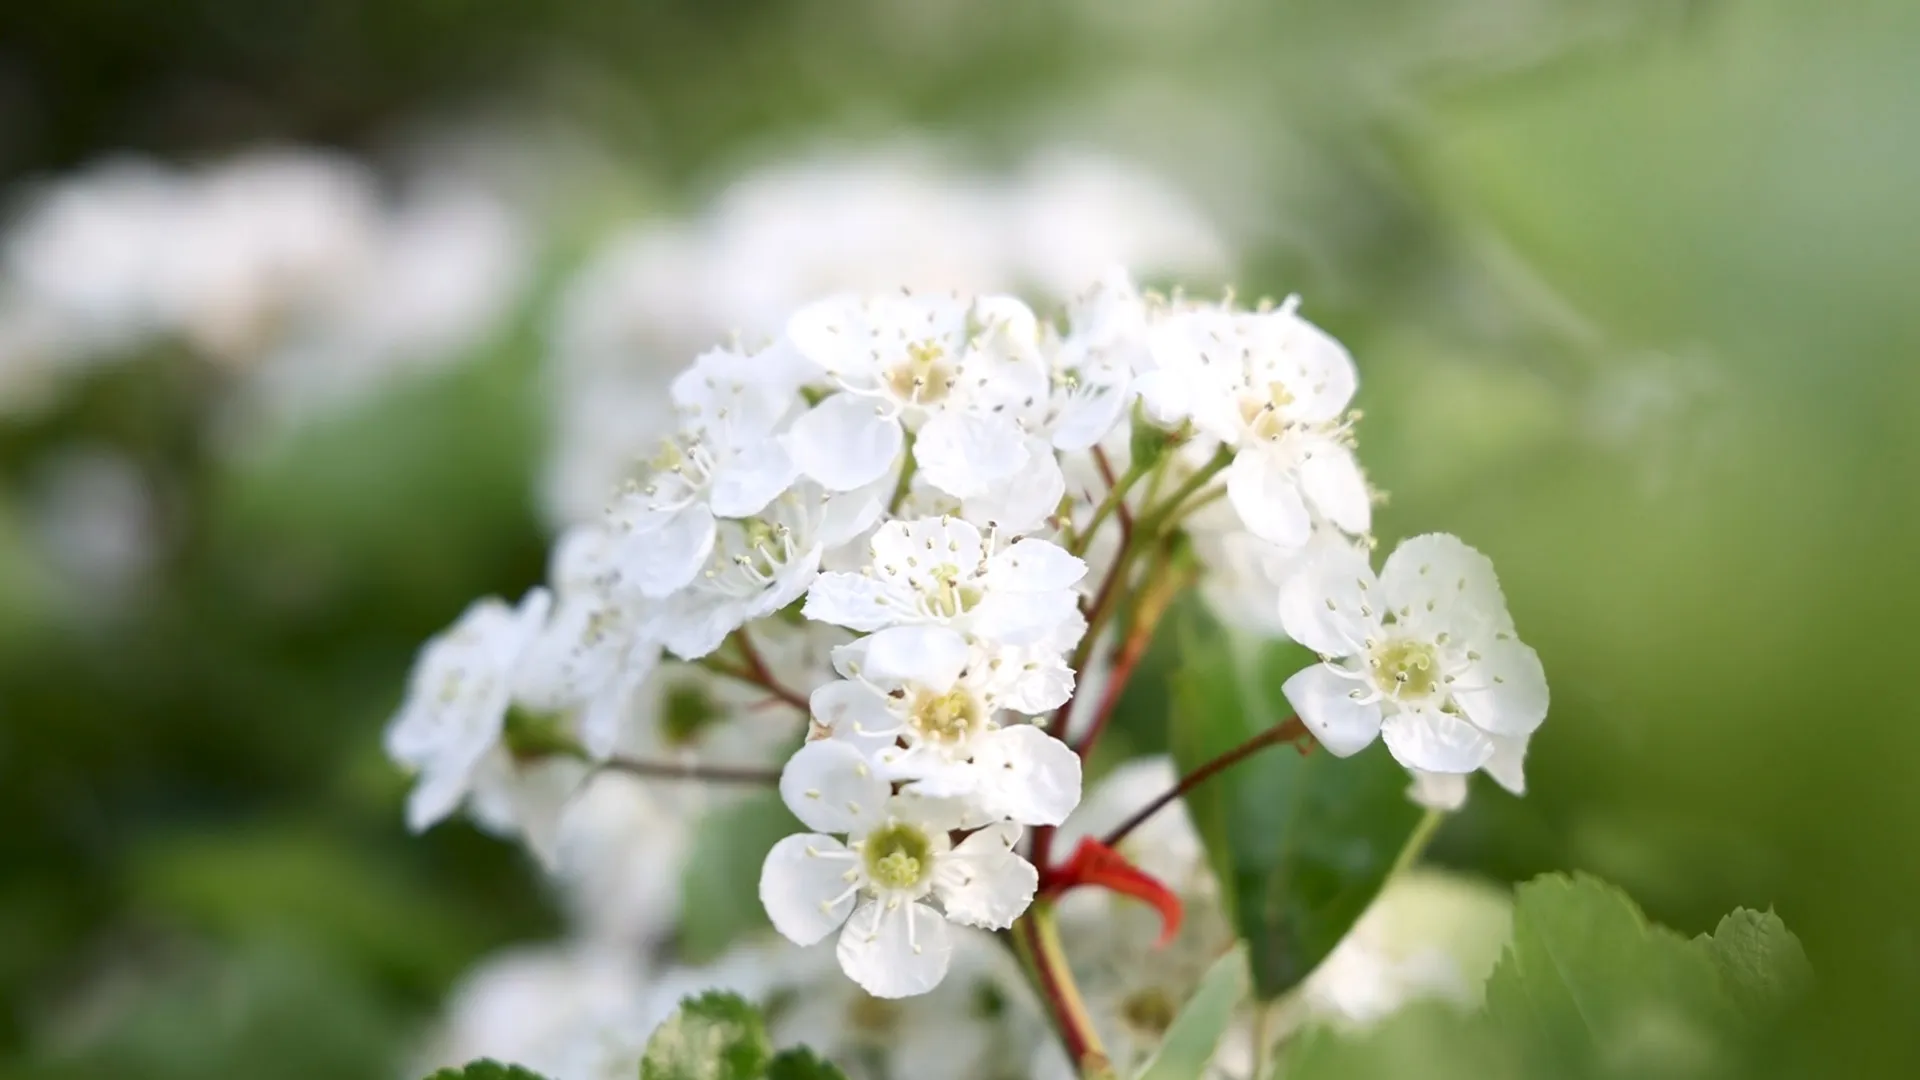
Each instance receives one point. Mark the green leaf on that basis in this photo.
(1302, 844)
(487, 1069)
(1196, 1031)
(1587, 980)
(716, 1036)
(1432, 1040)
(800, 1063)
(722, 878)
(1762, 967)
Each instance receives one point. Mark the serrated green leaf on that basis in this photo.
(1587, 980)
(1302, 844)
(722, 878)
(487, 1069)
(1196, 1031)
(801, 1063)
(716, 1036)
(1762, 967)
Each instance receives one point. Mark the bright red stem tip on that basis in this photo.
(1094, 863)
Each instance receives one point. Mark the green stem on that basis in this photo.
(905, 483)
(1049, 960)
(1116, 497)
(1417, 843)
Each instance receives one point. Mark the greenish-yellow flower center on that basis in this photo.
(898, 856)
(950, 598)
(945, 718)
(1405, 668)
(925, 378)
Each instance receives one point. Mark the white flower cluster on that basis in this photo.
(971, 491)
(862, 218)
(288, 265)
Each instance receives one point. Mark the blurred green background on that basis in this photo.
(1629, 288)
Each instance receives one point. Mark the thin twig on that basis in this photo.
(1290, 730)
(675, 770)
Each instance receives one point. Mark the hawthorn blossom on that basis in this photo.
(945, 368)
(723, 462)
(923, 705)
(600, 646)
(880, 886)
(1424, 656)
(457, 701)
(1273, 387)
(942, 571)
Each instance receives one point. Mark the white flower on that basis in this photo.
(923, 705)
(573, 1012)
(1273, 387)
(938, 570)
(1448, 791)
(760, 564)
(457, 701)
(724, 462)
(1094, 364)
(883, 882)
(600, 646)
(1423, 655)
(943, 367)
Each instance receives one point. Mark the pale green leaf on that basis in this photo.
(1762, 967)
(716, 1036)
(1196, 1031)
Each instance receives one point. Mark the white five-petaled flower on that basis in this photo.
(883, 881)
(924, 706)
(456, 707)
(954, 371)
(724, 462)
(1095, 362)
(1424, 655)
(1274, 387)
(942, 571)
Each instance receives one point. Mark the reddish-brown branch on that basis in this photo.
(1290, 730)
(754, 670)
(1125, 515)
(675, 770)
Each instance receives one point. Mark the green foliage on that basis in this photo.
(801, 1064)
(1196, 1031)
(1762, 966)
(1302, 843)
(487, 1069)
(724, 873)
(715, 1036)
(1587, 988)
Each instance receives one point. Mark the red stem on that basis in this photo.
(757, 673)
(1120, 511)
(1050, 990)
(1290, 730)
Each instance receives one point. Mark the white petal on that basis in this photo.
(1033, 565)
(800, 883)
(1035, 686)
(436, 793)
(1088, 417)
(1506, 766)
(754, 477)
(1508, 689)
(1022, 618)
(695, 624)
(830, 787)
(1164, 396)
(1331, 479)
(966, 454)
(1327, 704)
(932, 656)
(854, 601)
(1436, 575)
(1024, 501)
(661, 553)
(1028, 776)
(895, 952)
(832, 333)
(1438, 791)
(1434, 741)
(855, 713)
(607, 713)
(845, 442)
(1333, 604)
(983, 883)
(901, 546)
(1318, 370)
(1265, 495)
